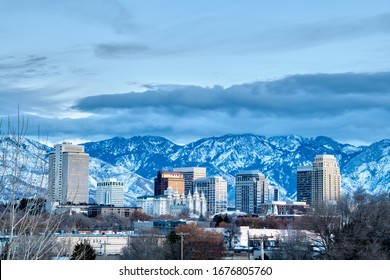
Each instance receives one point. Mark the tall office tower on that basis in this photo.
(166, 179)
(110, 192)
(251, 191)
(215, 192)
(190, 175)
(68, 175)
(275, 194)
(326, 181)
(304, 179)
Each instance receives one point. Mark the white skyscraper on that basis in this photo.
(68, 175)
(326, 180)
(110, 192)
(215, 192)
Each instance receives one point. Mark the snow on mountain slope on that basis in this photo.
(136, 161)
(277, 157)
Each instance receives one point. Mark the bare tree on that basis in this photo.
(231, 232)
(173, 246)
(78, 222)
(149, 245)
(26, 229)
(200, 244)
(358, 227)
(296, 245)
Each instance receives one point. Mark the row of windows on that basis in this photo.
(110, 184)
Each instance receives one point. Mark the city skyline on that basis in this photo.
(197, 69)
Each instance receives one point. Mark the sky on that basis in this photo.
(89, 70)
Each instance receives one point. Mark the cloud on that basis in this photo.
(350, 107)
(44, 101)
(119, 50)
(299, 95)
(10, 62)
(111, 13)
(14, 69)
(362, 127)
(220, 36)
(311, 34)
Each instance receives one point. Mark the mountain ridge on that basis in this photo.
(137, 159)
(277, 157)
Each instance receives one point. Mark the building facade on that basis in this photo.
(68, 175)
(165, 179)
(304, 184)
(284, 208)
(275, 194)
(326, 181)
(320, 183)
(190, 175)
(124, 212)
(251, 191)
(110, 192)
(215, 192)
(174, 204)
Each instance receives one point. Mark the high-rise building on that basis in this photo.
(215, 192)
(320, 183)
(165, 179)
(190, 175)
(68, 175)
(326, 181)
(304, 179)
(251, 191)
(110, 192)
(275, 194)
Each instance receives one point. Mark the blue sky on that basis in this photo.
(94, 69)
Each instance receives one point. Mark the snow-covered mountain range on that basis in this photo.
(277, 157)
(136, 160)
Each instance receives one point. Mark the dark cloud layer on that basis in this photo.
(301, 95)
(350, 107)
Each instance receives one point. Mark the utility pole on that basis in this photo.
(182, 244)
(104, 246)
(262, 249)
(249, 254)
(256, 240)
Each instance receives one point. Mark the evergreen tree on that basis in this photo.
(83, 251)
(173, 246)
(217, 219)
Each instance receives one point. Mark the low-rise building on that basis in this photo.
(284, 208)
(125, 212)
(171, 203)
